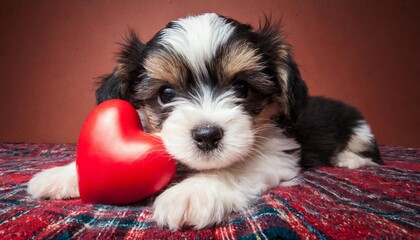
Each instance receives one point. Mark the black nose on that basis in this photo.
(207, 137)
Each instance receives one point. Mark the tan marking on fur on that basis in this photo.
(266, 114)
(240, 58)
(164, 67)
(284, 53)
(120, 70)
(283, 101)
(152, 119)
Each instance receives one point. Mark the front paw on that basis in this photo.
(190, 204)
(55, 183)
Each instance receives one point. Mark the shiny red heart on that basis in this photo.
(117, 162)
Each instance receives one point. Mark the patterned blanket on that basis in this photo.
(330, 203)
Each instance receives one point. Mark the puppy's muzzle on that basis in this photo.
(207, 137)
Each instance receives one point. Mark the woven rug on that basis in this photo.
(330, 203)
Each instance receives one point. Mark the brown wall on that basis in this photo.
(363, 52)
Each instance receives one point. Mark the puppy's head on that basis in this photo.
(209, 86)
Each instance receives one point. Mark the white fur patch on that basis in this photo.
(360, 141)
(55, 183)
(197, 38)
(361, 138)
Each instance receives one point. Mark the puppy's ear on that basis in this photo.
(117, 85)
(278, 54)
(112, 86)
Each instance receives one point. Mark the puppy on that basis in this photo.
(229, 102)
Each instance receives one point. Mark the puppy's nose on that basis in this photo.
(207, 137)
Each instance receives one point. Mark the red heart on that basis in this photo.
(117, 162)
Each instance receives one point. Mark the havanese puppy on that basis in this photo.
(229, 102)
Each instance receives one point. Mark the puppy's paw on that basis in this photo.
(350, 160)
(190, 204)
(55, 183)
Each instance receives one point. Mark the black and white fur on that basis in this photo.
(229, 102)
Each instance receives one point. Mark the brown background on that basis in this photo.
(365, 53)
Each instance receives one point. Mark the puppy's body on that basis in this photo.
(334, 134)
(229, 102)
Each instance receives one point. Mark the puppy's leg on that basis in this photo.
(361, 150)
(55, 183)
(206, 198)
(201, 200)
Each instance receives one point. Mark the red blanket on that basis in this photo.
(330, 203)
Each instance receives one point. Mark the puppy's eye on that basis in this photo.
(166, 94)
(241, 89)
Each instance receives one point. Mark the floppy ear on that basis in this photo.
(112, 86)
(117, 85)
(294, 93)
